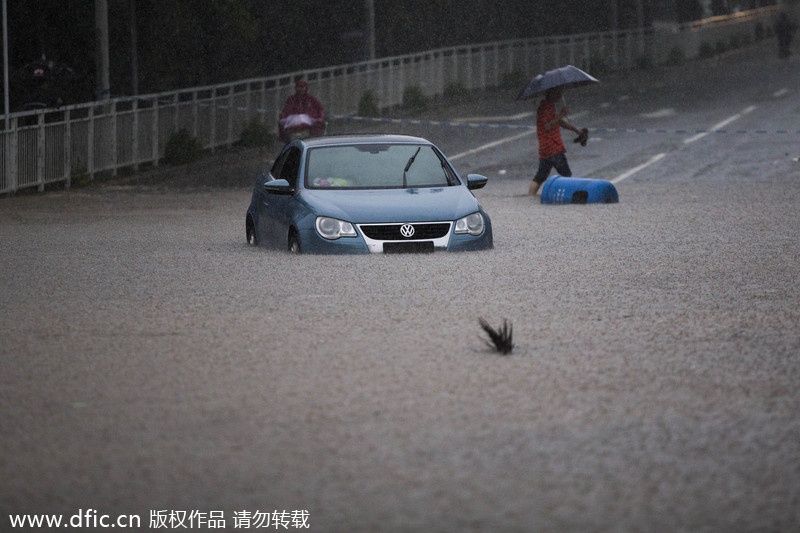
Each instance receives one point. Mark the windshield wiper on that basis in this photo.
(408, 166)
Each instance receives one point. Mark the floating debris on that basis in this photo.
(501, 338)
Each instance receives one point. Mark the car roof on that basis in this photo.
(333, 140)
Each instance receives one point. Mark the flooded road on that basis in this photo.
(150, 360)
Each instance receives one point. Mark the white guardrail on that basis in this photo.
(54, 145)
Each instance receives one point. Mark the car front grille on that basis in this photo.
(393, 232)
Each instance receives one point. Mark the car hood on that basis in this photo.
(392, 205)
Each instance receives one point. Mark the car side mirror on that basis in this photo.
(278, 187)
(476, 181)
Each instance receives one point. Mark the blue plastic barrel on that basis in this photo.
(561, 190)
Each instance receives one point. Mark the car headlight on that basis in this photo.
(333, 228)
(472, 224)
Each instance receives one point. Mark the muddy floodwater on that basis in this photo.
(151, 361)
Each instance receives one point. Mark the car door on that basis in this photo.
(279, 207)
(265, 212)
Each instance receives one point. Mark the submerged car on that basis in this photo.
(366, 194)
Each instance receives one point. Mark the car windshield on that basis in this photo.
(376, 166)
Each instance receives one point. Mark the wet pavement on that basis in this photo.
(150, 360)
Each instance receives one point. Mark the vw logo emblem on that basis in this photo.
(407, 231)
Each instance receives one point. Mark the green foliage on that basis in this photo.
(516, 79)
(184, 44)
(706, 50)
(456, 92)
(676, 56)
(208, 42)
(598, 65)
(414, 99)
(760, 33)
(739, 40)
(79, 175)
(368, 105)
(255, 133)
(182, 148)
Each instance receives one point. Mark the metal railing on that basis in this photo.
(56, 145)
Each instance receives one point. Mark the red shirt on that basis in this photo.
(550, 142)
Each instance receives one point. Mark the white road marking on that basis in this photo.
(492, 144)
(719, 126)
(634, 170)
(495, 118)
(782, 92)
(659, 157)
(661, 113)
(653, 160)
(579, 114)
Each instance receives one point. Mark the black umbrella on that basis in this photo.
(565, 77)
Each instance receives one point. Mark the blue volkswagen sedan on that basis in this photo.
(366, 194)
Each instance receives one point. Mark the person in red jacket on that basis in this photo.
(302, 115)
(552, 152)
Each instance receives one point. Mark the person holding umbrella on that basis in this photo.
(552, 152)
